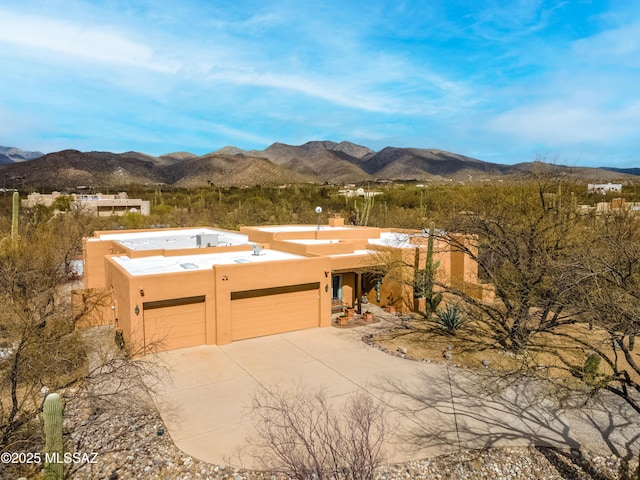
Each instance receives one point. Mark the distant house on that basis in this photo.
(604, 188)
(197, 286)
(99, 204)
(358, 192)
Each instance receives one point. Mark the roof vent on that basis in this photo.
(256, 249)
(189, 266)
(207, 240)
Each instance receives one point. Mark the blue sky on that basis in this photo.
(504, 81)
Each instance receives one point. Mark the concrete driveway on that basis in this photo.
(433, 409)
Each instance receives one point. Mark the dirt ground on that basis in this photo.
(470, 347)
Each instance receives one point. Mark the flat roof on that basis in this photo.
(299, 228)
(159, 264)
(393, 239)
(176, 239)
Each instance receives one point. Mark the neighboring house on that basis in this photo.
(604, 188)
(194, 286)
(99, 204)
(616, 205)
(358, 192)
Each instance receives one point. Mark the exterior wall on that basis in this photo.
(94, 253)
(396, 289)
(117, 281)
(336, 221)
(92, 307)
(129, 290)
(348, 289)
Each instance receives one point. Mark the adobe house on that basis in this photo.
(98, 204)
(174, 288)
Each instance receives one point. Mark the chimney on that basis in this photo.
(336, 220)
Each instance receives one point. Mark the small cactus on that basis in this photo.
(54, 466)
(591, 367)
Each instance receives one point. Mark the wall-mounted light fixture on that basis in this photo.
(224, 278)
(141, 292)
(326, 288)
(136, 310)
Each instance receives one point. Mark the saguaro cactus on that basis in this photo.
(54, 466)
(14, 217)
(362, 216)
(427, 276)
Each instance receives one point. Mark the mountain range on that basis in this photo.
(12, 155)
(315, 161)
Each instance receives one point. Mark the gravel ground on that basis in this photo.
(133, 448)
(134, 444)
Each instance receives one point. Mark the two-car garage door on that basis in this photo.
(275, 310)
(180, 322)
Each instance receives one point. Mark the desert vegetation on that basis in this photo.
(566, 285)
(563, 303)
(41, 351)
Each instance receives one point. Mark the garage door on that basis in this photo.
(174, 324)
(274, 312)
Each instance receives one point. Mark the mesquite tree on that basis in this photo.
(523, 239)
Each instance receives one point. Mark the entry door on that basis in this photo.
(336, 287)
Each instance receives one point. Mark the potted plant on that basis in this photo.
(367, 316)
(390, 306)
(343, 320)
(351, 312)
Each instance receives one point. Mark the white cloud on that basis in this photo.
(619, 46)
(78, 40)
(566, 123)
(349, 76)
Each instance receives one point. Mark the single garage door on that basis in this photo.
(274, 310)
(176, 323)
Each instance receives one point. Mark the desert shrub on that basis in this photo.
(302, 436)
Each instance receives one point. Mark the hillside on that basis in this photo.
(630, 171)
(13, 155)
(316, 161)
(414, 163)
(228, 170)
(70, 168)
